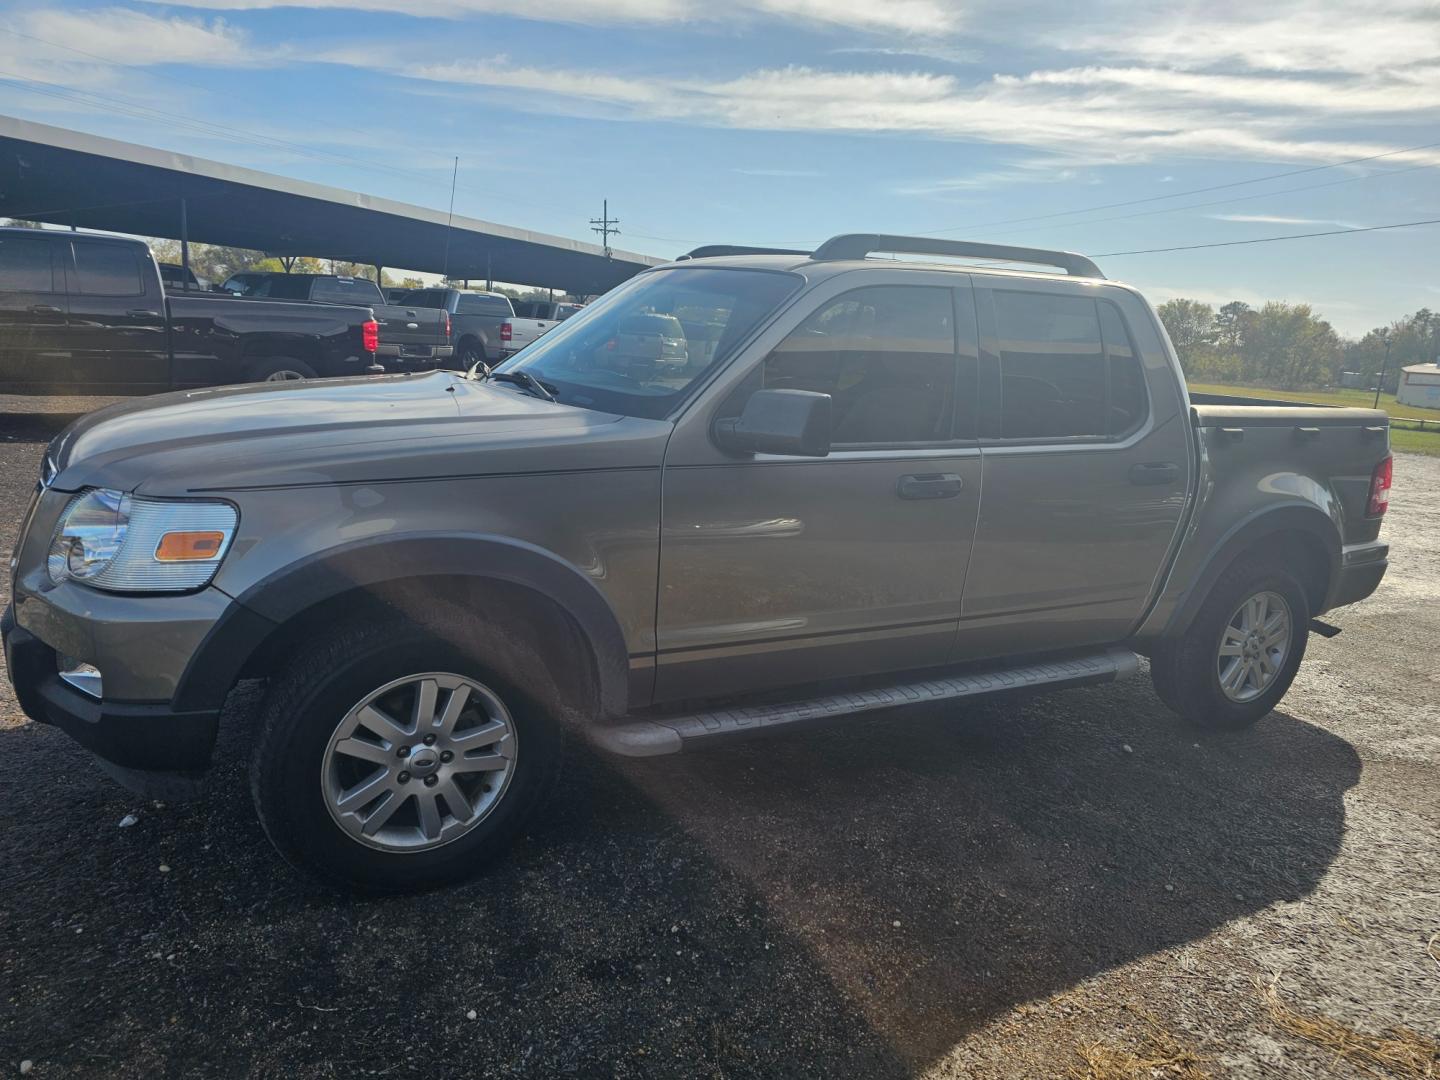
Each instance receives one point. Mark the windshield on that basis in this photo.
(638, 349)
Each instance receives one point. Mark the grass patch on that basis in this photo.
(1158, 1056)
(1407, 440)
(1398, 1051)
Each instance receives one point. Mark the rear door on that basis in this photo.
(779, 570)
(1087, 465)
(118, 338)
(34, 345)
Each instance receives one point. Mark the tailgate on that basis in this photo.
(412, 326)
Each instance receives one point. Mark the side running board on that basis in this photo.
(659, 735)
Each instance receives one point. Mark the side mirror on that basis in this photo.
(794, 422)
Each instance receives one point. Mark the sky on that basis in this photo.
(1091, 127)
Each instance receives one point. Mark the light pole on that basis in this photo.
(1383, 365)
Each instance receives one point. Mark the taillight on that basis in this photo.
(506, 331)
(370, 335)
(1380, 488)
(447, 324)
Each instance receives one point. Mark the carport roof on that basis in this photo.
(68, 177)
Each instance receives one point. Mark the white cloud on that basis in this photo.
(902, 16)
(1276, 219)
(131, 38)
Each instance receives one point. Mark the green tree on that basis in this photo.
(1191, 326)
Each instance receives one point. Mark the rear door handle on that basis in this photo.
(930, 486)
(43, 309)
(142, 313)
(1154, 472)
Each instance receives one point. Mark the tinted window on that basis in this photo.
(431, 298)
(25, 265)
(1052, 366)
(483, 305)
(346, 291)
(107, 270)
(886, 355)
(1129, 402)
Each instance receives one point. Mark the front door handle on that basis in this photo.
(1154, 472)
(43, 309)
(930, 486)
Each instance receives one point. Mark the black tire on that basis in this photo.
(468, 354)
(1185, 670)
(307, 700)
(271, 366)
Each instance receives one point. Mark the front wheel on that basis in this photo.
(390, 760)
(279, 369)
(469, 354)
(1240, 654)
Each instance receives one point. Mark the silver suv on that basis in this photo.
(854, 484)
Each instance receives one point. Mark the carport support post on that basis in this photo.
(184, 242)
(379, 275)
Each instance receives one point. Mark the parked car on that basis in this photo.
(532, 318)
(891, 482)
(476, 321)
(87, 314)
(181, 279)
(411, 337)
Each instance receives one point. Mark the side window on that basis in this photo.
(887, 357)
(1052, 366)
(25, 265)
(1129, 401)
(107, 270)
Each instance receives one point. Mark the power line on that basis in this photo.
(1269, 239)
(605, 226)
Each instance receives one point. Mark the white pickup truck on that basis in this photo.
(532, 318)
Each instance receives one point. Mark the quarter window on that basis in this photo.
(886, 355)
(1067, 368)
(25, 265)
(107, 270)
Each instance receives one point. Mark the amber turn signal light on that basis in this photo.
(188, 546)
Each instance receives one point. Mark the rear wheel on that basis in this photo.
(469, 354)
(1241, 652)
(390, 760)
(280, 369)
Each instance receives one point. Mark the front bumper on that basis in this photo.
(131, 736)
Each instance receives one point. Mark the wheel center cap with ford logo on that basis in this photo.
(424, 760)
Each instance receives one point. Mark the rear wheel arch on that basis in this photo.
(427, 581)
(1305, 537)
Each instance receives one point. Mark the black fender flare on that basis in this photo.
(271, 602)
(1244, 534)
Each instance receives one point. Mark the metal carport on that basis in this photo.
(68, 177)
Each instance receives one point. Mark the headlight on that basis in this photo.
(128, 543)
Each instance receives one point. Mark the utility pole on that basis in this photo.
(605, 226)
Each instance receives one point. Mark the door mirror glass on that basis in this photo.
(794, 422)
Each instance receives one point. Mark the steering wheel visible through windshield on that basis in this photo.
(638, 349)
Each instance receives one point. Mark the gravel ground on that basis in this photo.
(960, 893)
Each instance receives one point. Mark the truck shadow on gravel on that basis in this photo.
(729, 913)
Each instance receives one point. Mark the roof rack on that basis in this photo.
(859, 245)
(710, 251)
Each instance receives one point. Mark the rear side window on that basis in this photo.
(1052, 366)
(886, 355)
(107, 270)
(1129, 402)
(25, 265)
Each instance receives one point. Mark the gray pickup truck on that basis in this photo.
(880, 483)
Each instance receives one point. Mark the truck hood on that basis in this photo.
(315, 432)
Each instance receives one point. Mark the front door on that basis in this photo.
(34, 346)
(1087, 465)
(778, 571)
(117, 320)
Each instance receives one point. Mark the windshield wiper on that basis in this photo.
(523, 379)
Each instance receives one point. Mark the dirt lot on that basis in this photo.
(995, 892)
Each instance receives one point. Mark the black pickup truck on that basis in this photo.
(87, 314)
(412, 337)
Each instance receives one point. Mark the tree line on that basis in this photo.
(1289, 347)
